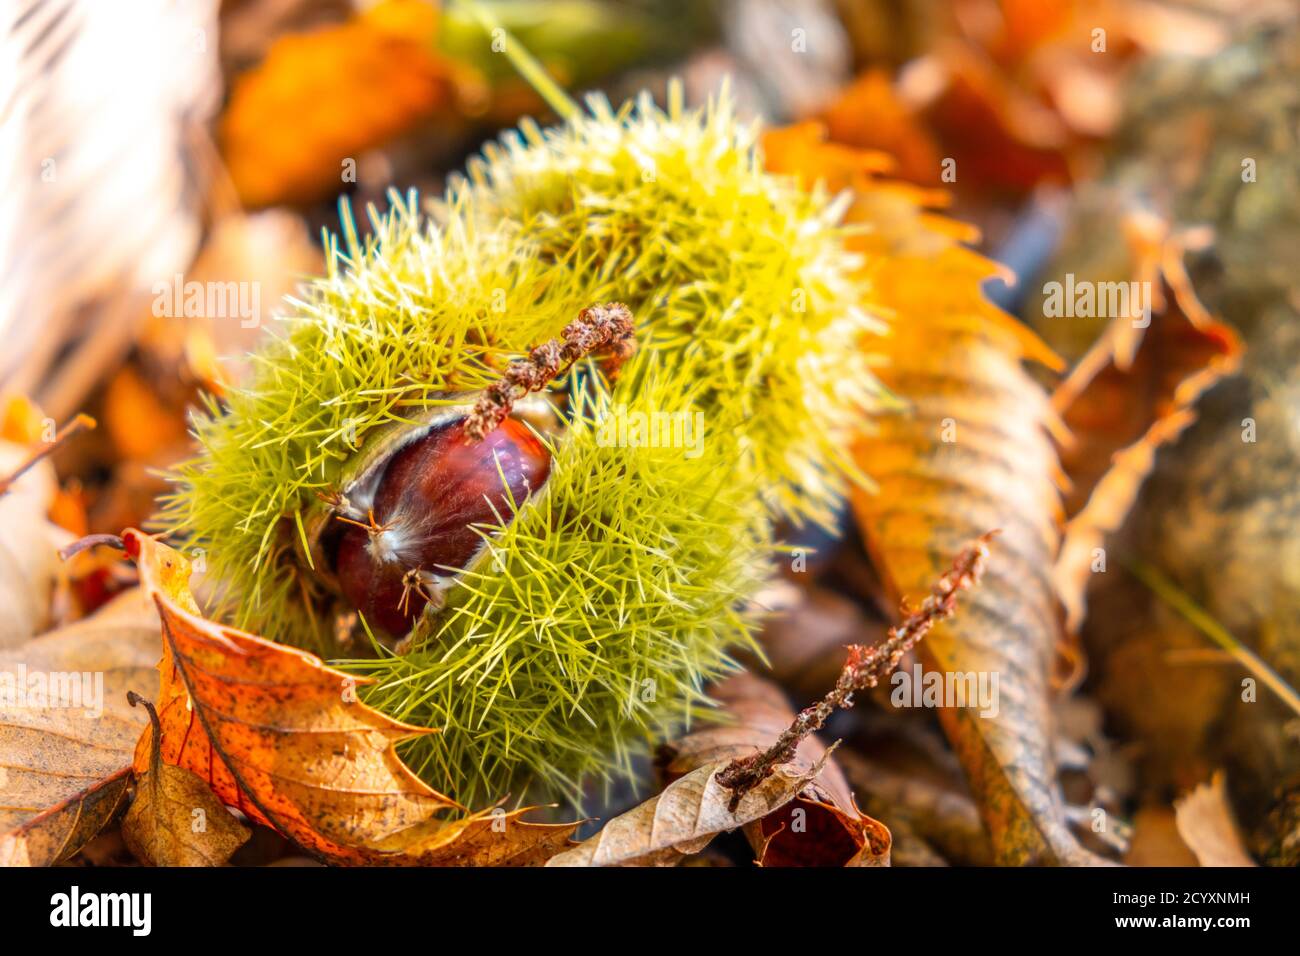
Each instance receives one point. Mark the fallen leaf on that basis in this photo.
(972, 451)
(328, 95)
(1205, 822)
(968, 449)
(1131, 394)
(65, 764)
(1001, 135)
(868, 114)
(684, 818)
(822, 825)
(286, 740)
(136, 420)
(175, 819)
(1016, 95)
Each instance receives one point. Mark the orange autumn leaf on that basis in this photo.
(993, 135)
(911, 243)
(1017, 94)
(136, 419)
(329, 95)
(21, 420)
(971, 450)
(284, 738)
(1003, 136)
(968, 449)
(1011, 93)
(868, 114)
(68, 510)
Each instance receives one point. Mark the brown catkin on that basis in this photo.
(601, 328)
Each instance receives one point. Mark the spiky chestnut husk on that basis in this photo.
(598, 610)
(593, 621)
(737, 277)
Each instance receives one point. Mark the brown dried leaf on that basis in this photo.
(1131, 394)
(969, 450)
(285, 739)
(822, 825)
(64, 771)
(683, 819)
(175, 819)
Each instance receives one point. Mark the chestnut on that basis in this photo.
(420, 531)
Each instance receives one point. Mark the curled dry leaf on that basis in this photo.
(822, 825)
(684, 818)
(971, 452)
(65, 756)
(968, 450)
(1206, 824)
(1132, 393)
(285, 739)
(176, 819)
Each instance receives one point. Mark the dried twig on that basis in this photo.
(79, 423)
(91, 541)
(606, 328)
(865, 667)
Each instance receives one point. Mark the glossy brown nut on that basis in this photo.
(431, 494)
